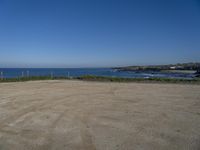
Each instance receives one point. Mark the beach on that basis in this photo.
(83, 115)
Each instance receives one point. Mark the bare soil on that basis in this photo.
(80, 115)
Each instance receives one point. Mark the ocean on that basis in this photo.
(75, 72)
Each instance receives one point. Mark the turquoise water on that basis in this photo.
(75, 72)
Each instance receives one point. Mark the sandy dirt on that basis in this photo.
(78, 115)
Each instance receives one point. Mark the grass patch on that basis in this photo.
(33, 78)
(151, 80)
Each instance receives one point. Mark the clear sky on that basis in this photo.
(98, 33)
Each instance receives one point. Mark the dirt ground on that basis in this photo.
(78, 115)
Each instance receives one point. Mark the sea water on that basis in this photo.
(75, 72)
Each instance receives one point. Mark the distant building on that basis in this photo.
(173, 67)
(176, 67)
(179, 67)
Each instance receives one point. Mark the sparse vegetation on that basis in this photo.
(33, 78)
(104, 79)
(159, 80)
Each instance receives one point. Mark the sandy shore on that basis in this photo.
(78, 115)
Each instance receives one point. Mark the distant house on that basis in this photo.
(173, 67)
(179, 67)
(176, 67)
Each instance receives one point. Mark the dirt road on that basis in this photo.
(77, 115)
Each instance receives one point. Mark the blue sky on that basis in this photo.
(98, 33)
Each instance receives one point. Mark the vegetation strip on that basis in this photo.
(104, 79)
